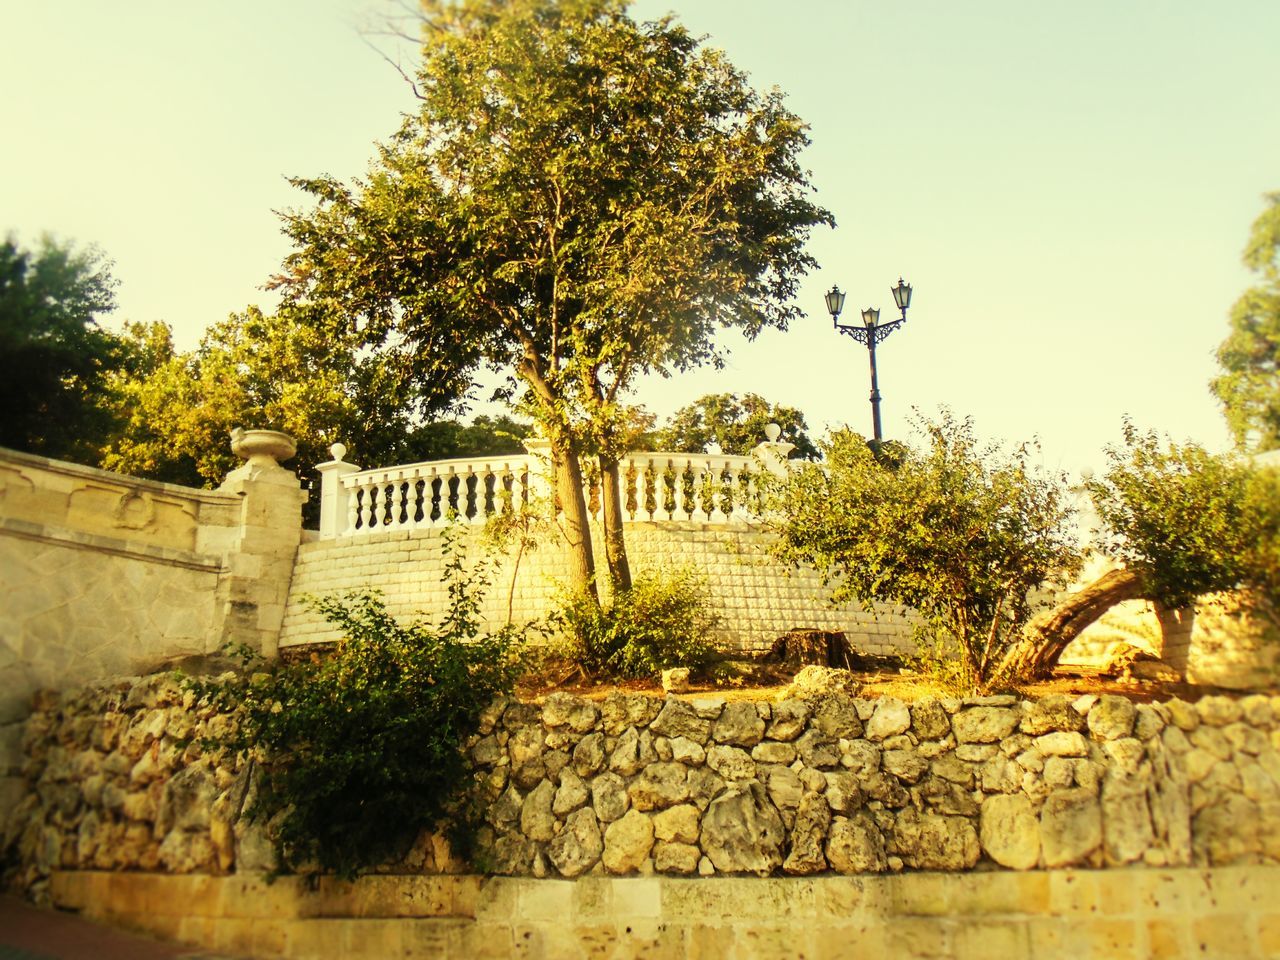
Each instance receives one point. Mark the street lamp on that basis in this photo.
(871, 332)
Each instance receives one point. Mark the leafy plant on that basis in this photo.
(663, 621)
(1177, 515)
(361, 751)
(960, 532)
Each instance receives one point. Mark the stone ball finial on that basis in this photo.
(338, 451)
(772, 432)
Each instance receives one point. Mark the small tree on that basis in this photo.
(1179, 522)
(961, 533)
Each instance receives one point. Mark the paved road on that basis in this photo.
(30, 933)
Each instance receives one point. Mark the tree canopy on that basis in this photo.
(283, 372)
(581, 199)
(735, 423)
(54, 353)
(1249, 386)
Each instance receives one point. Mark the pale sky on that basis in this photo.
(1067, 186)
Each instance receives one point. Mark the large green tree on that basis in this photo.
(581, 199)
(1249, 386)
(54, 353)
(294, 371)
(735, 423)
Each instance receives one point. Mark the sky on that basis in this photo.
(1067, 187)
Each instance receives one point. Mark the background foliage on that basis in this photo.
(1249, 386)
(55, 356)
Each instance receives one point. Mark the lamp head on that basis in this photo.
(902, 295)
(835, 301)
(870, 316)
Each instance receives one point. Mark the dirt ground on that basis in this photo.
(766, 682)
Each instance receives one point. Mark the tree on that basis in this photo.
(1249, 387)
(580, 200)
(293, 371)
(961, 533)
(54, 355)
(734, 423)
(1180, 522)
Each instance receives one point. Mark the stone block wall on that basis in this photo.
(639, 786)
(1164, 913)
(757, 598)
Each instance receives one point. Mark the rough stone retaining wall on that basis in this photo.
(758, 598)
(635, 785)
(1223, 912)
(103, 574)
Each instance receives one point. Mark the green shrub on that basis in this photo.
(361, 751)
(663, 621)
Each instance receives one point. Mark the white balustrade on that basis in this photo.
(655, 487)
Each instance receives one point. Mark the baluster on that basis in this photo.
(432, 504)
(354, 497)
(397, 501)
(519, 489)
(411, 504)
(370, 506)
(737, 478)
(480, 485)
(684, 503)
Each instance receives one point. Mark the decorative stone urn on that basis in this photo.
(262, 447)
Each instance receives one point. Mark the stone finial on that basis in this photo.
(772, 432)
(337, 451)
(262, 447)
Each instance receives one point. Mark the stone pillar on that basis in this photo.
(772, 454)
(335, 499)
(254, 586)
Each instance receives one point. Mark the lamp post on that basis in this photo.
(871, 332)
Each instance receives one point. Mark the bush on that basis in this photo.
(361, 751)
(663, 621)
(962, 532)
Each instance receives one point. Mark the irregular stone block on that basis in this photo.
(739, 724)
(1009, 831)
(929, 721)
(627, 842)
(1049, 714)
(984, 724)
(813, 819)
(1070, 827)
(679, 719)
(660, 785)
(932, 842)
(789, 719)
(891, 717)
(578, 846)
(742, 831)
(856, 845)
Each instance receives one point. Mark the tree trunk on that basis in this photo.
(1036, 653)
(615, 545)
(573, 505)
